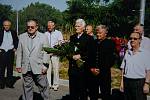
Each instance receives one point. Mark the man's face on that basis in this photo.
(50, 26)
(101, 33)
(6, 25)
(135, 40)
(32, 27)
(89, 29)
(79, 28)
(139, 29)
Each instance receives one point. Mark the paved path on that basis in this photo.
(14, 94)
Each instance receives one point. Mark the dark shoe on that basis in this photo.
(2, 86)
(10, 86)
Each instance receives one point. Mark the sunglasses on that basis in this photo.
(30, 27)
(133, 38)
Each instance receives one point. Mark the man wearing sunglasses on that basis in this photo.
(145, 41)
(32, 61)
(135, 70)
(8, 46)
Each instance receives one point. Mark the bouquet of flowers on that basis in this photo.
(64, 50)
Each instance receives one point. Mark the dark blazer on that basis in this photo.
(83, 44)
(14, 37)
(105, 54)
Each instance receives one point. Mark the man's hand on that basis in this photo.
(14, 50)
(146, 88)
(95, 71)
(76, 57)
(19, 70)
(121, 87)
(44, 70)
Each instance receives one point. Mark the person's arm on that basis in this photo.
(147, 82)
(123, 65)
(121, 82)
(108, 58)
(60, 37)
(19, 57)
(46, 56)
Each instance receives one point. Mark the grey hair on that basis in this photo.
(103, 27)
(81, 21)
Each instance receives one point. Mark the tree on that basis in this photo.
(5, 12)
(41, 12)
(118, 15)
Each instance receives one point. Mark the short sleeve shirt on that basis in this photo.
(135, 65)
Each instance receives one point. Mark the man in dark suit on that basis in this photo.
(8, 46)
(78, 62)
(104, 60)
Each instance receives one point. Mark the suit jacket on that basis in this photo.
(84, 45)
(104, 54)
(34, 56)
(14, 37)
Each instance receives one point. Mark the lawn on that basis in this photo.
(116, 74)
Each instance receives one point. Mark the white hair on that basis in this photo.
(81, 21)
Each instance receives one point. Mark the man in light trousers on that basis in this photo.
(55, 37)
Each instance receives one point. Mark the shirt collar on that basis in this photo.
(6, 31)
(51, 31)
(32, 36)
(79, 35)
(131, 53)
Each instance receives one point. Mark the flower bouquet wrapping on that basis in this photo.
(64, 50)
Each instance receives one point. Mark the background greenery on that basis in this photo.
(119, 15)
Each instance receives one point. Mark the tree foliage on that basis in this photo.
(5, 12)
(41, 12)
(119, 16)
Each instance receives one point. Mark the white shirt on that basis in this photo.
(7, 43)
(135, 65)
(55, 37)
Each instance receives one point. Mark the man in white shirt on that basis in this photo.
(135, 70)
(55, 37)
(8, 46)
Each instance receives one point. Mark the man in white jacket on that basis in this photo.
(55, 37)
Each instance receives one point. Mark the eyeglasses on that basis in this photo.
(133, 38)
(32, 27)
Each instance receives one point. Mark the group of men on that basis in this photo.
(89, 67)
(34, 64)
(98, 55)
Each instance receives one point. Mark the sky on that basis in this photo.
(19, 4)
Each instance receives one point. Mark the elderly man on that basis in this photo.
(145, 41)
(8, 46)
(104, 60)
(81, 42)
(32, 61)
(135, 70)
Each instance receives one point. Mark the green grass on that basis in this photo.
(115, 73)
